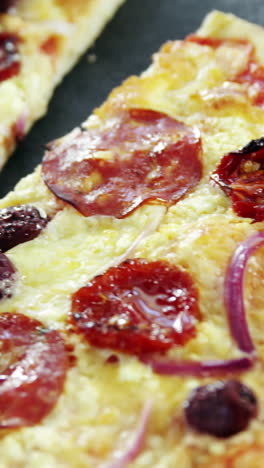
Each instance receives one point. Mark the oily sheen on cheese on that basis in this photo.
(52, 35)
(97, 413)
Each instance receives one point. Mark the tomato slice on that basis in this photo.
(240, 174)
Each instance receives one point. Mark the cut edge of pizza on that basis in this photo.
(40, 42)
(132, 268)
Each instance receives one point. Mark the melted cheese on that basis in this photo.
(100, 405)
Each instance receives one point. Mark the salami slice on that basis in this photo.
(240, 174)
(138, 307)
(33, 369)
(140, 156)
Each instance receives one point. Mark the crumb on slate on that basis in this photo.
(91, 58)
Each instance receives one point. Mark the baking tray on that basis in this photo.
(124, 48)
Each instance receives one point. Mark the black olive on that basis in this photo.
(221, 409)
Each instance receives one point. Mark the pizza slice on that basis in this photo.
(131, 272)
(40, 41)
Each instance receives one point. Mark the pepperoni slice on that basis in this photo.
(33, 369)
(140, 156)
(241, 176)
(9, 56)
(138, 307)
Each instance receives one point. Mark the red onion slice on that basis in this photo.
(199, 368)
(233, 291)
(138, 442)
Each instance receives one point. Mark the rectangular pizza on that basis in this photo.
(40, 41)
(131, 272)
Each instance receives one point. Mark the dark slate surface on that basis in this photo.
(124, 48)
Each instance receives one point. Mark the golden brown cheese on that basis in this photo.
(100, 406)
(54, 35)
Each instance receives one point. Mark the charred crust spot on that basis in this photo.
(253, 146)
